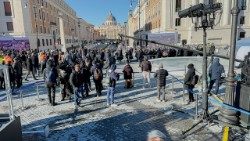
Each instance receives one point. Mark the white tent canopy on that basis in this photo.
(242, 48)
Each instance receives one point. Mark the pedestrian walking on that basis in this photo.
(76, 81)
(42, 61)
(30, 68)
(18, 71)
(97, 78)
(161, 75)
(65, 71)
(189, 82)
(113, 78)
(146, 69)
(128, 75)
(50, 77)
(215, 73)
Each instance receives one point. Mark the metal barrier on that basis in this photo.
(21, 89)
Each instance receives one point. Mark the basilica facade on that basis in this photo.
(110, 29)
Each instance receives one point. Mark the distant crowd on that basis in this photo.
(76, 69)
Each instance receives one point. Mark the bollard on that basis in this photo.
(196, 106)
(172, 85)
(37, 92)
(225, 134)
(247, 138)
(21, 94)
(183, 93)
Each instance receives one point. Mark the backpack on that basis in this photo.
(97, 74)
(50, 76)
(195, 80)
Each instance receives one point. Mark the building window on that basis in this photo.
(242, 20)
(47, 42)
(44, 30)
(40, 14)
(50, 41)
(178, 5)
(41, 29)
(178, 22)
(242, 35)
(38, 43)
(43, 42)
(10, 26)
(35, 12)
(7, 8)
(36, 29)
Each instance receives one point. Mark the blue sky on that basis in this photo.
(96, 11)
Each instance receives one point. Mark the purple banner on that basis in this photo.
(16, 43)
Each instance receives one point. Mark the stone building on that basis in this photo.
(162, 16)
(110, 29)
(48, 24)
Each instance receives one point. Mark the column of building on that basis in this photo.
(62, 33)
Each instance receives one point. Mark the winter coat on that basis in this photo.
(18, 68)
(146, 66)
(54, 75)
(189, 76)
(128, 72)
(161, 75)
(216, 70)
(113, 76)
(76, 79)
(29, 64)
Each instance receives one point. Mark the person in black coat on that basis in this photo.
(30, 68)
(128, 75)
(18, 71)
(161, 75)
(86, 79)
(65, 71)
(188, 82)
(76, 81)
(97, 74)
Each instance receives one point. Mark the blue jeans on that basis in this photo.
(110, 95)
(78, 94)
(85, 89)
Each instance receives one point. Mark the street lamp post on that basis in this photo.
(229, 115)
(125, 32)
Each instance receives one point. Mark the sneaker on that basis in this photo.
(158, 100)
(114, 105)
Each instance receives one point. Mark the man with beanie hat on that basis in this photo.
(146, 68)
(161, 75)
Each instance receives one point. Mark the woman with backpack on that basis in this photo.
(128, 75)
(97, 78)
(190, 81)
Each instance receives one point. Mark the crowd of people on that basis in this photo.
(73, 71)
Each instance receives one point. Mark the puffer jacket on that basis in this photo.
(216, 69)
(161, 75)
